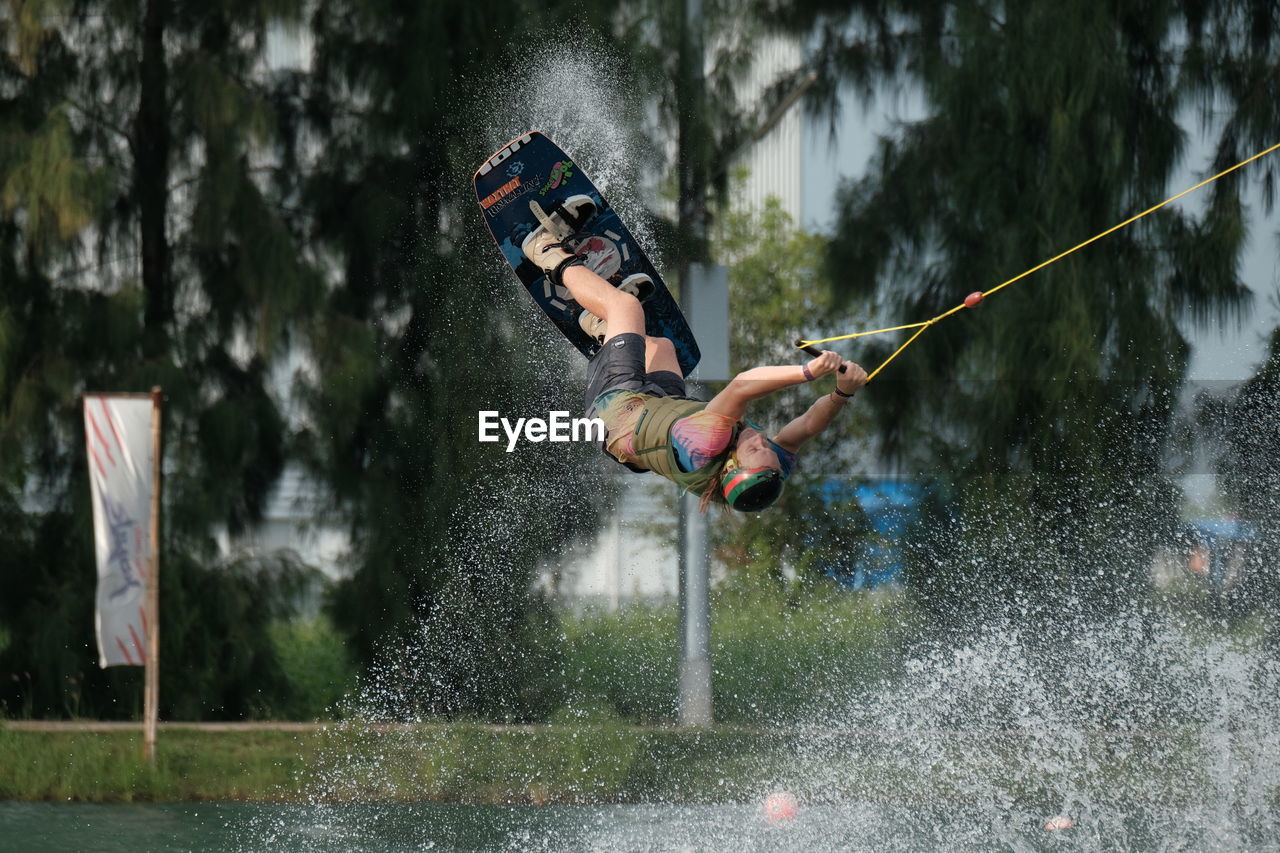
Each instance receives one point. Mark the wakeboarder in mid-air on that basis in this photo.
(636, 387)
(585, 270)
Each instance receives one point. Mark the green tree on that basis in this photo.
(1229, 72)
(1047, 408)
(175, 212)
(143, 244)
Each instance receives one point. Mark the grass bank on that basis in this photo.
(586, 763)
(458, 762)
(774, 663)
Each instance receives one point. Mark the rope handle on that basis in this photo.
(813, 351)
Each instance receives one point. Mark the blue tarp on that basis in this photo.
(891, 507)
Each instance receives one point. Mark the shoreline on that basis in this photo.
(577, 763)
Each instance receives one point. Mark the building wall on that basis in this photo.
(292, 523)
(632, 557)
(774, 161)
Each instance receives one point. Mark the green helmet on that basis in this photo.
(750, 489)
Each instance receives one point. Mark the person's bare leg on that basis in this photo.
(621, 311)
(660, 354)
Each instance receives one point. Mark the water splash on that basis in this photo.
(570, 94)
(1138, 727)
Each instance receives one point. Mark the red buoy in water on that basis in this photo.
(973, 299)
(780, 806)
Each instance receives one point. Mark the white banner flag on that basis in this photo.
(118, 434)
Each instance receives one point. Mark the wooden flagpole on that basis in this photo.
(151, 694)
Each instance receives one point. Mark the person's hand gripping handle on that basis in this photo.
(852, 377)
(815, 352)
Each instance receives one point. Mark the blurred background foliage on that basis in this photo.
(289, 253)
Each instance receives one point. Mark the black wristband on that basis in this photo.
(557, 275)
(842, 394)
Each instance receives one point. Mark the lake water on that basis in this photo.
(1148, 735)
(135, 828)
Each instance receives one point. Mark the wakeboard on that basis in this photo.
(531, 175)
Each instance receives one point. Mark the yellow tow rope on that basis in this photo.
(974, 298)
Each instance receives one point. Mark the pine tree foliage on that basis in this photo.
(143, 245)
(174, 210)
(1232, 57)
(1231, 71)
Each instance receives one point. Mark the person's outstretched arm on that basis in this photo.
(823, 411)
(761, 381)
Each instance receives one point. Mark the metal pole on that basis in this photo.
(695, 617)
(151, 690)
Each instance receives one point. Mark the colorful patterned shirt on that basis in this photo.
(696, 439)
